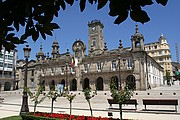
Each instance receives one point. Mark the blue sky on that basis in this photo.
(73, 24)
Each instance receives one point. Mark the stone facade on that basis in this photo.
(130, 66)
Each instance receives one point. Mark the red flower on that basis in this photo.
(72, 117)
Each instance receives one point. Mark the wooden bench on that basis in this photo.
(131, 102)
(160, 102)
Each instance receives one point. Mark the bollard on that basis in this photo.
(110, 114)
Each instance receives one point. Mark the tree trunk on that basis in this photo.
(35, 105)
(120, 110)
(70, 107)
(52, 106)
(90, 108)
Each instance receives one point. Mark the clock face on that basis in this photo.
(93, 28)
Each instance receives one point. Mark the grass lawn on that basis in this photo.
(12, 118)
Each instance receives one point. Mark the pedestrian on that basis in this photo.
(149, 86)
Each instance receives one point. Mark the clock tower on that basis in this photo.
(95, 37)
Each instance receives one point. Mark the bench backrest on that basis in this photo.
(131, 101)
(160, 102)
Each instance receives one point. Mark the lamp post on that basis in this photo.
(120, 87)
(67, 63)
(119, 60)
(24, 107)
(66, 76)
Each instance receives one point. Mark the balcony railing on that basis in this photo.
(92, 70)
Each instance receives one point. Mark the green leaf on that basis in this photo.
(10, 35)
(90, 1)
(10, 29)
(139, 16)
(136, 7)
(82, 5)
(8, 21)
(122, 17)
(162, 2)
(70, 2)
(43, 35)
(14, 40)
(146, 2)
(16, 25)
(23, 37)
(101, 3)
(52, 26)
(113, 6)
(142, 2)
(8, 45)
(39, 28)
(22, 22)
(48, 31)
(62, 4)
(35, 35)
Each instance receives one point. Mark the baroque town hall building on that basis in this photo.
(131, 66)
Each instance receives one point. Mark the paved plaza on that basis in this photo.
(13, 100)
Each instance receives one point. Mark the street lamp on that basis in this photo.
(120, 87)
(24, 107)
(119, 58)
(66, 76)
(124, 62)
(67, 63)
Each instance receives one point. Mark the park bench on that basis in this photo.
(160, 102)
(130, 102)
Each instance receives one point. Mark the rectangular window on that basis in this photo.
(94, 42)
(114, 65)
(130, 63)
(155, 47)
(1, 55)
(160, 59)
(160, 52)
(1, 64)
(6, 56)
(85, 67)
(9, 65)
(5, 65)
(10, 57)
(32, 73)
(99, 66)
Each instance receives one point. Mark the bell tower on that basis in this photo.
(95, 37)
(137, 41)
(55, 49)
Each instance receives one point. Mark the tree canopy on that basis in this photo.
(36, 16)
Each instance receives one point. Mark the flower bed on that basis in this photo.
(59, 116)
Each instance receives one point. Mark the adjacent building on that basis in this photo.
(160, 52)
(131, 66)
(7, 69)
